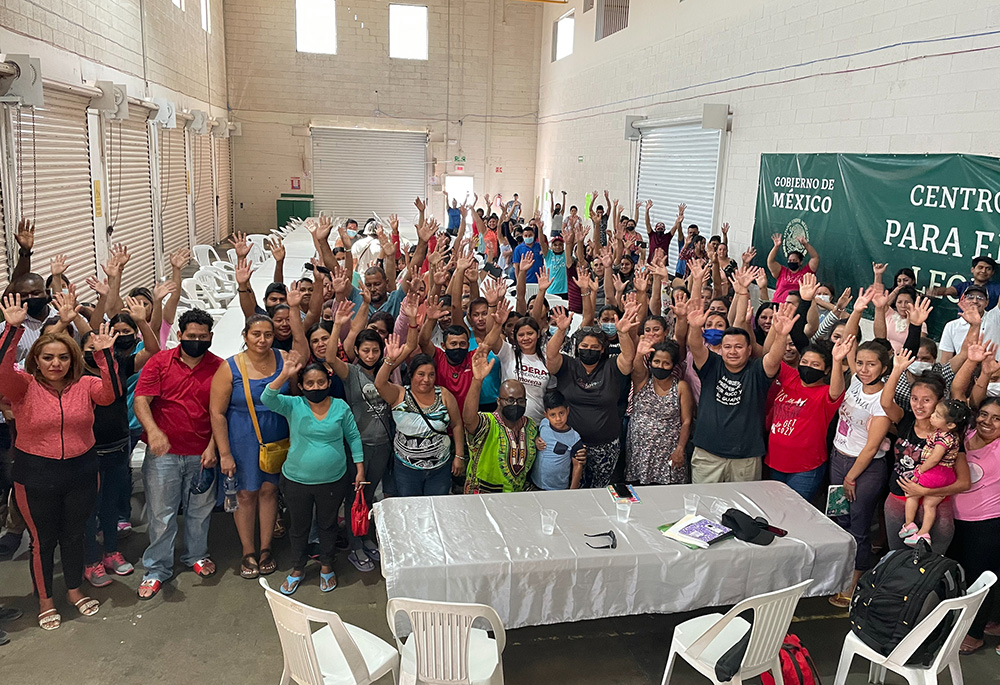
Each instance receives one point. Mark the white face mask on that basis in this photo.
(918, 368)
(825, 298)
(993, 390)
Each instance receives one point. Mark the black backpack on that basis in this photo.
(898, 593)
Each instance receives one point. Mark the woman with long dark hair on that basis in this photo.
(525, 362)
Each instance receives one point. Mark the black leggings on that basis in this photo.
(56, 512)
(300, 500)
(976, 546)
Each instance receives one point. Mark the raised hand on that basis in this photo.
(527, 261)
(725, 229)
(680, 211)
(421, 205)
(544, 280)
(784, 318)
(843, 348)
(343, 313)
(503, 311)
(881, 300)
(878, 270)
(393, 348)
(435, 310)
(161, 290)
(761, 278)
(394, 223)
(864, 298)
(748, 255)
(644, 347)
(121, 255)
(66, 305)
(990, 363)
(180, 258)
(25, 235)
(742, 278)
(481, 363)
(277, 248)
(293, 363)
(340, 280)
(583, 281)
(696, 316)
(105, 337)
(100, 287)
(808, 286)
(561, 318)
(242, 246)
(922, 308)
(901, 360)
(293, 296)
(243, 273)
(640, 280)
(844, 299)
(776, 239)
(136, 309)
(58, 265)
(970, 313)
(112, 269)
(977, 350)
(14, 313)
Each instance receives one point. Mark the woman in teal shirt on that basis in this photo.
(315, 472)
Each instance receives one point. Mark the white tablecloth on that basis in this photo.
(490, 549)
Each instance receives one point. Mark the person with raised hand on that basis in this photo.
(55, 470)
(501, 444)
(315, 475)
(427, 419)
(788, 277)
(592, 383)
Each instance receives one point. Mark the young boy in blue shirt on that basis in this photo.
(561, 454)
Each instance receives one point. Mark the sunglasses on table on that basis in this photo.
(610, 534)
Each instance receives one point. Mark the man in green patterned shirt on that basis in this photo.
(501, 444)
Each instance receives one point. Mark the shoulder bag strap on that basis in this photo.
(241, 364)
(411, 398)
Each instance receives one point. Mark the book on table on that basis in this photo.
(696, 531)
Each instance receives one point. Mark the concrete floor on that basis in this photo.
(219, 631)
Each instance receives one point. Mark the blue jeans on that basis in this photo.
(167, 480)
(411, 482)
(115, 472)
(806, 483)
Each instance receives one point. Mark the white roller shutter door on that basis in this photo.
(173, 190)
(130, 194)
(4, 268)
(358, 172)
(679, 164)
(53, 161)
(201, 187)
(224, 176)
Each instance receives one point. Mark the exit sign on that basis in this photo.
(459, 158)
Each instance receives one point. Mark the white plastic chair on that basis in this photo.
(222, 289)
(207, 257)
(947, 656)
(194, 295)
(701, 641)
(336, 654)
(444, 647)
(258, 251)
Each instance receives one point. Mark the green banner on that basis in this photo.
(932, 213)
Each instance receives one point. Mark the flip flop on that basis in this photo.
(841, 600)
(292, 583)
(327, 581)
(204, 567)
(361, 561)
(151, 584)
(266, 563)
(87, 606)
(967, 650)
(249, 567)
(373, 554)
(49, 620)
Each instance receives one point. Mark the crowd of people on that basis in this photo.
(503, 352)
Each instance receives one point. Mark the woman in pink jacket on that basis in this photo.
(55, 466)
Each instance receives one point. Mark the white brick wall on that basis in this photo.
(274, 90)
(934, 104)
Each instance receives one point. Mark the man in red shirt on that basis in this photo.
(171, 402)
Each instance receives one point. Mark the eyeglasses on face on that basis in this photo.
(610, 534)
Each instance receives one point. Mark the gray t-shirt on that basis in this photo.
(372, 414)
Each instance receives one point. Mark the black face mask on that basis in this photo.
(512, 412)
(317, 395)
(810, 375)
(36, 306)
(660, 374)
(195, 348)
(124, 342)
(88, 359)
(794, 266)
(456, 355)
(373, 367)
(588, 357)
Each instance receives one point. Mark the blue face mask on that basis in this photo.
(553, 330)
(528, 239)
(609, 328)
(352, 234)
(712, 336)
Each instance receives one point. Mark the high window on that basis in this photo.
(316, 26)
(408, 31)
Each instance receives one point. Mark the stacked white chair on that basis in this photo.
(206, 256)
(702, 640)
(211, 279)
(947, 656)
(336, 654)
(444, 647)
(196, 296)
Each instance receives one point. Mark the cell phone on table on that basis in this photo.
(621, 489)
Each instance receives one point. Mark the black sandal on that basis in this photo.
(249, 568)
(267, 565)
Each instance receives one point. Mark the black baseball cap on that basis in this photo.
(977, 289)
(985, 258)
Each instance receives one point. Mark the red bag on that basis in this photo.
(797, 667)
(359, 515)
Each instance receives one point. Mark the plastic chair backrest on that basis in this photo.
(967, 606)
(772, 614)
(231, 256)
(205, 255)
(292, 619)
(197, 292)
(441, 632)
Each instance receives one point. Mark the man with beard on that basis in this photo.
(659, 236)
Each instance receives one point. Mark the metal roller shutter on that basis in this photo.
(4, 269)
(356, 172)
(130, 193)
(680, 164)
(224, 176)
(201, 187)
(53, 162)
(173, 190)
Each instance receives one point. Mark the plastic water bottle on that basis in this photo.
(231, 502)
